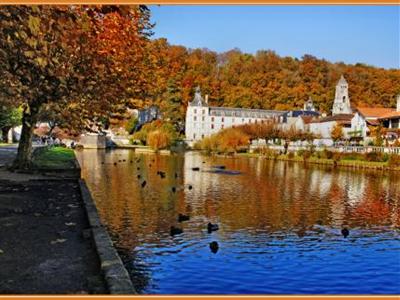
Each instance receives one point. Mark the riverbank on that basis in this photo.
(356, 164)
(46, 245)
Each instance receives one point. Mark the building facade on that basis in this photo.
(203, 120)
(341, 104)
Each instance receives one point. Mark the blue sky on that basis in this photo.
(366, 34)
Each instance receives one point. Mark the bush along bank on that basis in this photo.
(372, 160)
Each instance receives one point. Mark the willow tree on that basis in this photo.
(83, 61)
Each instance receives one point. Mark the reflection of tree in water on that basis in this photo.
(139, 272)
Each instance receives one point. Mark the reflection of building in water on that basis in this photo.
(320, 182)
(356, 186)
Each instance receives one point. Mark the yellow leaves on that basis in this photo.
(32, 42)
(34, 25)
(29, 54)
(35, 9)
(41, 61)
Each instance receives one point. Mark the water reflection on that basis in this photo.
(280, 224)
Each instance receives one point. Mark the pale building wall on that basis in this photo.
(200, 124)
(341, 104)
(359, 123)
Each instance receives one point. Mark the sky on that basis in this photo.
(350, 34)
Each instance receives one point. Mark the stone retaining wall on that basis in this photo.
(115, 274)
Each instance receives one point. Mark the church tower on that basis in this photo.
(341, 104)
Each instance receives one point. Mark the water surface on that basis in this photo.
(280, 224)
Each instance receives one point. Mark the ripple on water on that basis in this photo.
(280, 225)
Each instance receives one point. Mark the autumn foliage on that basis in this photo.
(235, 138)
(81, 62)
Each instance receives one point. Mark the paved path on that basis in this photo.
(45, 247)
(7, 154)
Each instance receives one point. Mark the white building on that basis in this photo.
(323, 127)
(341, 104)
(203, 120)
(367, 116)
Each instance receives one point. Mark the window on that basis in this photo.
(195, 111)
(202, 136)
(194, 136)
(195, 118)
(249, 120)
(204, 111)
(202, 118)
(222, 120)
(242, 120)
(212, 119)
(212, 126)
(255, 121)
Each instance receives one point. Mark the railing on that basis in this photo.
(345, 149)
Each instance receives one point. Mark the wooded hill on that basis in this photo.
(263, 80)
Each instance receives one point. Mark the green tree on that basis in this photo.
(173, 110)
(9, 117)
(131, 124)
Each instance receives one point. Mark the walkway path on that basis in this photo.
(45, 247)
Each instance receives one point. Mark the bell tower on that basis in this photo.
(341, 104)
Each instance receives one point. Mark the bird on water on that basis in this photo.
(212, 227)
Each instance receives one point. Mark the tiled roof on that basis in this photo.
(296, 113)
(338, 117)
(374, 112)
(391, 115)
(372, 122)
(307, 119)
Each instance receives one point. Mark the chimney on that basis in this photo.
(207, 98)
(398, 103)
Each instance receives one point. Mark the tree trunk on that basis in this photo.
(24, 155)
(4, 133)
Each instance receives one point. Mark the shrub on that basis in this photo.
(327, 154)
(307, 154)
(158, 140)
(337, 156)
(143, 134)
(131, 124)
(394, 160)
(374, 156)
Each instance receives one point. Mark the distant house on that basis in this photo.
(365, 117)
(391, 121)
(148, 115)
(323, 127)
(299, 119)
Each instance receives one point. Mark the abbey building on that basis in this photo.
(203, 120)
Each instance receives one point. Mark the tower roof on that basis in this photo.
(198, 99)
(342, 80)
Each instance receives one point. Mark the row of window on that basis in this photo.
(222, 120)
(203, 111)
(194, 136)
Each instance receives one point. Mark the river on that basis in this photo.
(280, 224)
